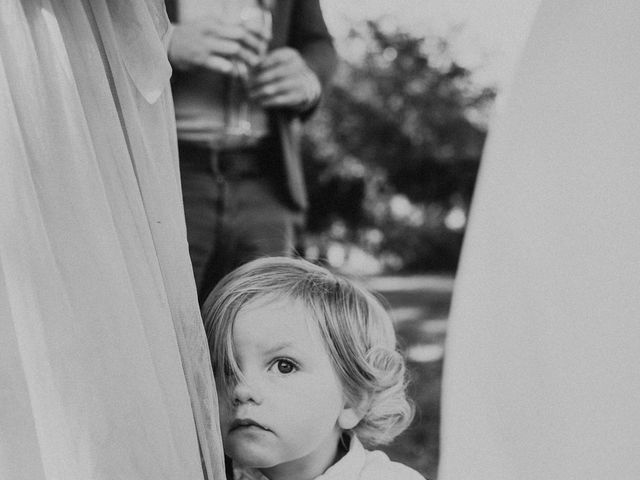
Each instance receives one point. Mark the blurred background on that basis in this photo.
(391, 160)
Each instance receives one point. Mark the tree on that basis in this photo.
(397, 121)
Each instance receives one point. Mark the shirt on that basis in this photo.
(357, 464)
(202, 102)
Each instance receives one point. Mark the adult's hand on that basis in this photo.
(214, 44)
(284, 80)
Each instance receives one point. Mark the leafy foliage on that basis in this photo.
(398, 120)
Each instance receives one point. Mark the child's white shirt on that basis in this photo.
(357, 464)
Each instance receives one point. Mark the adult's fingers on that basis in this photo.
(218, 64)
(232, 50)
(250, 39)
(284, 93)
(284, 100)
(281, 56)
(277, 73)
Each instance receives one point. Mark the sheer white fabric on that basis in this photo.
(541, 371)
(104, 368)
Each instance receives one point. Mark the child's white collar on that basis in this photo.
(348, 467)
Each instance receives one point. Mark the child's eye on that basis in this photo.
(285, 366)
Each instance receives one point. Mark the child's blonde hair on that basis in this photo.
(356, 329)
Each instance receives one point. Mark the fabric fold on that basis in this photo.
(137, 27)
(104, 366)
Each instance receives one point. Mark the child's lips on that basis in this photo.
(246, 423)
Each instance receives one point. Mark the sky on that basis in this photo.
(491, 33)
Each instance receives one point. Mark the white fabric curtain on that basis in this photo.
(541, 370)
(104, 367)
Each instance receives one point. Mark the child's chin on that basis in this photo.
(251, 456)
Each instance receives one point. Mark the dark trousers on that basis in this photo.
(233, 211)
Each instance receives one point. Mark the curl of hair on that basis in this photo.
(388, 412)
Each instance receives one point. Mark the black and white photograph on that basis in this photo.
(319, 240)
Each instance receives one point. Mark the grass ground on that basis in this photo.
(420, 306)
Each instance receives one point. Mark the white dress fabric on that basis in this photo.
(542, 377)
(356, 464)
(104, 367)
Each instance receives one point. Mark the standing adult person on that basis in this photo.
(541, 373)
(104, 367)
(244, 193)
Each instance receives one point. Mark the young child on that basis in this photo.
(307, 372)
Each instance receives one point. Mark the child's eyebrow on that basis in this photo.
(279, 347)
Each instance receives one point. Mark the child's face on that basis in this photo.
(288, 414)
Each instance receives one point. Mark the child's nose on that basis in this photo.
(246, 391)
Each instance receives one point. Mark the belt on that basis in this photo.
(246, 162)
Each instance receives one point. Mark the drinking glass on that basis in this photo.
(238, 106)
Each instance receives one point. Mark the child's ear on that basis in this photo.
(350, 416)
